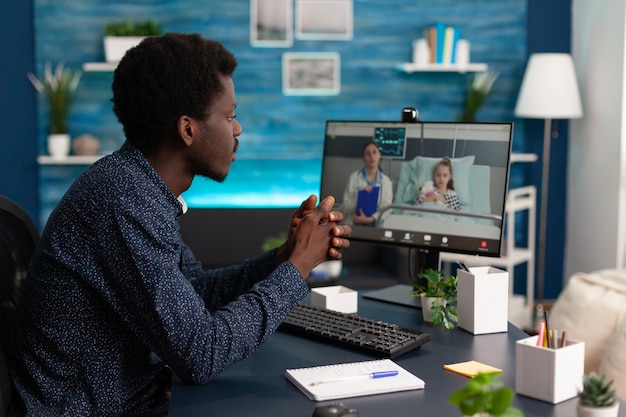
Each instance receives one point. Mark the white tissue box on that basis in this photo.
(337, 297)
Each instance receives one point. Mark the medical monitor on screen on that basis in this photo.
(391, 141)
(407, 204)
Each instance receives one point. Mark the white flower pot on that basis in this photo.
(116, 46)
(59, 145)
(427, 303)
(584, 411)
(481, 415)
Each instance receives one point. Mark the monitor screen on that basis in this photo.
(439, 186)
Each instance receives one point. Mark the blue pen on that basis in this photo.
(371, 375)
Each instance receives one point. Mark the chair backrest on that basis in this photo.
(18, 238)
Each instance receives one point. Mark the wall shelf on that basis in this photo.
(68, 160)
(99, 66)
(410, 67)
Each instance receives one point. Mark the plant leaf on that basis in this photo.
(500, 401)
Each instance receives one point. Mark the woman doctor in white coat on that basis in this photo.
(369, 179)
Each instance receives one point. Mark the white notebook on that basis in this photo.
(354, 379)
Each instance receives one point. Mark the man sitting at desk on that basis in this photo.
(114, 299)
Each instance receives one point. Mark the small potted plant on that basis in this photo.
(597, 399)
(59, 88)
(438, 294)
(483, 396)
(120, 36)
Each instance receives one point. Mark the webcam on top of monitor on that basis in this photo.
(409, 115)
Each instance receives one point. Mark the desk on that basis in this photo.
(257, 386)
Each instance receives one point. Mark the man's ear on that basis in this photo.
(186, 129)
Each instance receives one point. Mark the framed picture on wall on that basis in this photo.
(271, 23)
(324, 19)
(311, 73)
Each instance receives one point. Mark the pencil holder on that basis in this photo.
(482, 300)
(551, 375)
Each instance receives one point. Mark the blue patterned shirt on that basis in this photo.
(114, 299)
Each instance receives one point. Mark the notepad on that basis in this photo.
(329, 382)
(471, 368)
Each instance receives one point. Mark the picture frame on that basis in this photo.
(324, 19)
(311, 73)
(271, 23)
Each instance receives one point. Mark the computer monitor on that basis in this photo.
(469, 223)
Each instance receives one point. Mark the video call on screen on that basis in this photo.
(479, 153)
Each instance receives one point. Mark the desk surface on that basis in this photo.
(257, 386)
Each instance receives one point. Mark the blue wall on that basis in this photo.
(502, 33)
(18, 148)
(549, 30)
(71, 31)
(278, 127)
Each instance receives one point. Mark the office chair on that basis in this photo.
(18, 238)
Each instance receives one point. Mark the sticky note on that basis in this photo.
(471, 368)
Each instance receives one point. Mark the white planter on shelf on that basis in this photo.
(59, 145)
(584, 411)
(116, 46)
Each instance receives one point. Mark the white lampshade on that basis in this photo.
(549, 89)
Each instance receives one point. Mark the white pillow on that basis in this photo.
(613, 364)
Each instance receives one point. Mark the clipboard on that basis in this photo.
(367, 201)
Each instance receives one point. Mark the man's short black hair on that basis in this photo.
(163, 78)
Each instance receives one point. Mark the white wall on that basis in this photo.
(596, 203)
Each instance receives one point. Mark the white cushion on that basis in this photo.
(590, 308)
(613, 365)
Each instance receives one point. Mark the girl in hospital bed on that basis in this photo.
(442, 190)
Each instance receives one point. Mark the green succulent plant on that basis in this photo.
(484, 396)
(597, 391)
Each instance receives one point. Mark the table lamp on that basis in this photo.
(549, 91)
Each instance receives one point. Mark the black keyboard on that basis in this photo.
(354, 332)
